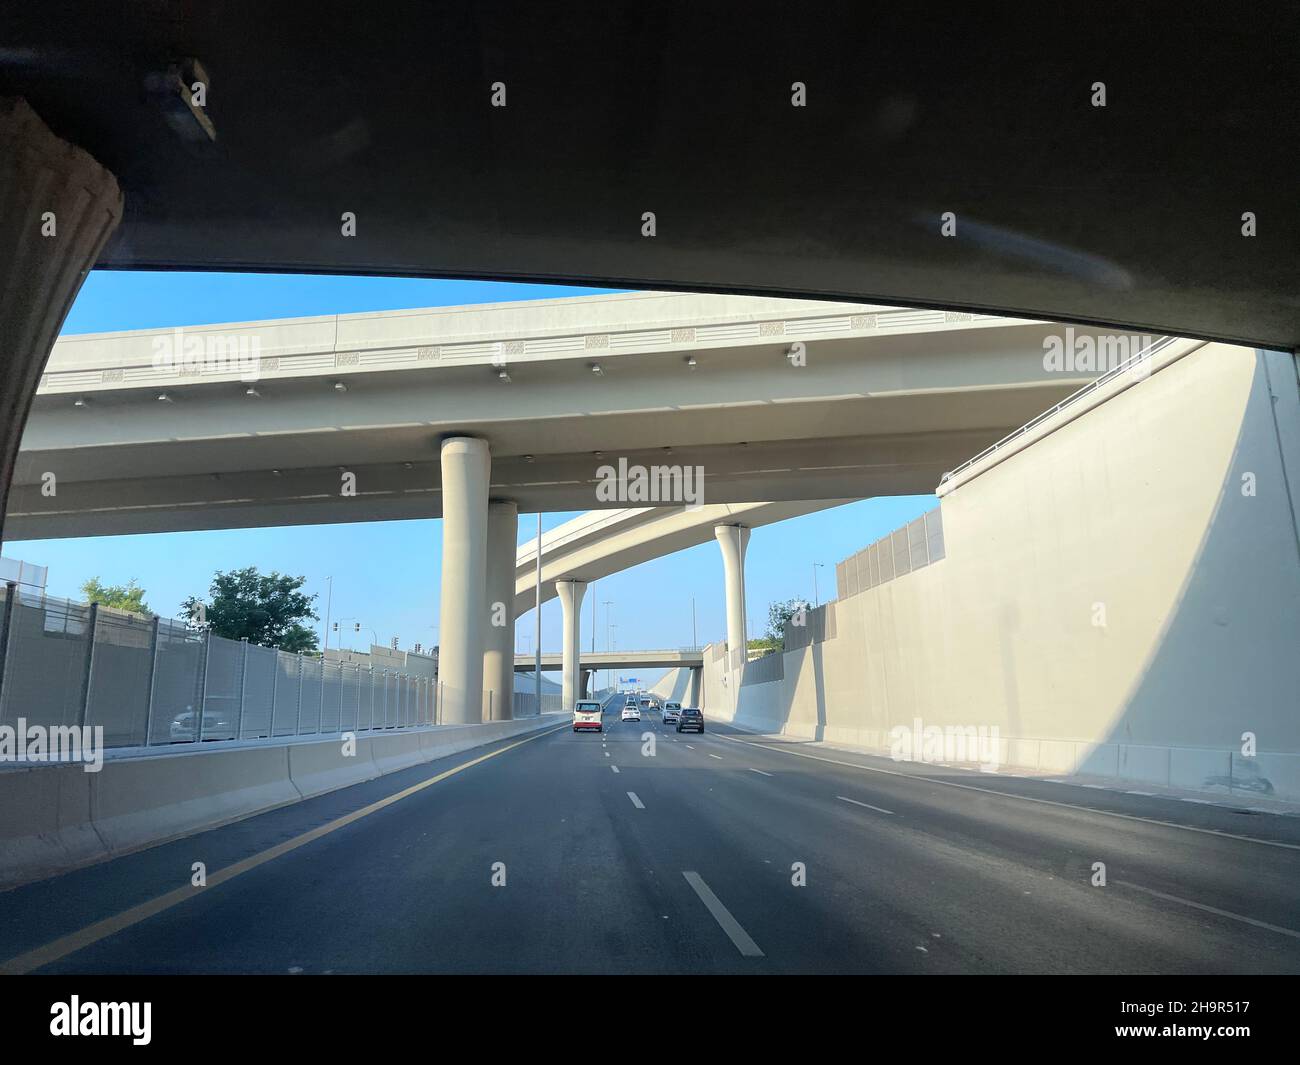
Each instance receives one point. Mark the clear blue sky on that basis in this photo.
(386, 574)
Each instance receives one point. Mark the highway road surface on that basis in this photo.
(643, 851)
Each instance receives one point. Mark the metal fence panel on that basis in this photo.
(286, 693)
(119, 677)
(178, 676)
(259, 691)
(934, 534)
(221, 687)
(48, 644)
(917, 548)
(902, 557)
(367, 688)
(764, 670)
(331, 697)
(311, 694)
(350, 700)
(919, 543)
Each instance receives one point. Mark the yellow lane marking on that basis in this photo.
(85, 937)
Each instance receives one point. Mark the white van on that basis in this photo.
(587, 715)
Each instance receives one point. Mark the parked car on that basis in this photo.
(690, 719)
(215, 727)
(672, 713)
(587, 716)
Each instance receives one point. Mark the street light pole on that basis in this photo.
(816, 599)
(537, 652)
(329, 599)
(608, 603)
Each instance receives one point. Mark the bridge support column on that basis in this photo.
(693, 689)
(60, 208)
(499, 621)
(584, 688)
(734, 539)
(571, 593)
(466, 466)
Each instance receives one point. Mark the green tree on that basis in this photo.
(265, 609)
(779, 615)
(123, 597)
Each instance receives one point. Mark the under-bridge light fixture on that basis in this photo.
(339, 386)
(251, 391)
(80, 401)
(595, 368)
(690, 361)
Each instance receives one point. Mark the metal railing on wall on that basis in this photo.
(1128, 366)
(149, 681)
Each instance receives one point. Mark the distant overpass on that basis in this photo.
(666, 659)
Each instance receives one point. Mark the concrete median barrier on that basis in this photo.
(146, 800)
(45, 821)
(54, 818)
(315, 768)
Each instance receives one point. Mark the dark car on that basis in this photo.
(690, 718)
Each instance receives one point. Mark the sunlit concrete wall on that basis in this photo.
(1120, 598)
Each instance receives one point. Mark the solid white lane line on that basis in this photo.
(614, 767)
(878, 809)
(1024, 798)
(759, 772)
(1211, 909)
(718, 757)
(722, 915)
(635, 801)
(607, 754)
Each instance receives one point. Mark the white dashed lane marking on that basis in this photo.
(722, 915)
(878, 809)
(635, 801)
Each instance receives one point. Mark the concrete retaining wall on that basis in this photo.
(1120, 598)
(57, 817)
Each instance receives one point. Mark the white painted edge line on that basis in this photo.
(878, 809)
(722, 915)
(1211, 909)
(760, 772)
(635, 801)
(614, 767)
(690, 747)
(717, 756)
(1025, 798)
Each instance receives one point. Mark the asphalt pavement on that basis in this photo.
(641, 850)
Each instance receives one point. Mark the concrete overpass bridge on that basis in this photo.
(318, 420)
(601, 542)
